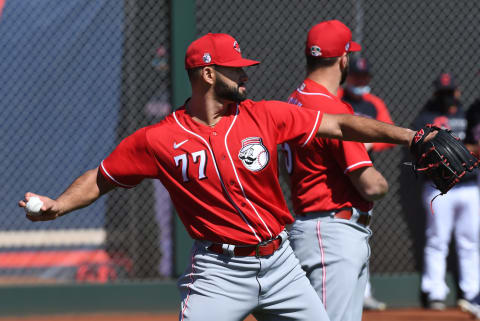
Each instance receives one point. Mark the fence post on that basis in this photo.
(182, 34)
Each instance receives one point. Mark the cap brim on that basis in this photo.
(354, 46)
(239, 63)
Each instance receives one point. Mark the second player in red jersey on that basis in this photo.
(319, 180)
(333, 183)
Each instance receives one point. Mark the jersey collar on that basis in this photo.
(197, 127)
(312, 86)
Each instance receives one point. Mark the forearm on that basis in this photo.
(362, 129)
(85, 190)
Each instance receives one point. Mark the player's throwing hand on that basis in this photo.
(39, 208)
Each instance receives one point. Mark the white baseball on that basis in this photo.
(34, 205)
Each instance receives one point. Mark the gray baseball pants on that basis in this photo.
(334, 253)
(221, 287)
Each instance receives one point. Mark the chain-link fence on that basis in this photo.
(77, 76)
(408, 44)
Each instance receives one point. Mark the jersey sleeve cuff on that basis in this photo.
(110, 178)
(358, 165)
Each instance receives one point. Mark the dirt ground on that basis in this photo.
(389, 315)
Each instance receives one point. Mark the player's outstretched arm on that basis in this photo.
(82, 192)
(363, 129)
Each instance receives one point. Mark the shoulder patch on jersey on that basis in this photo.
(253, 154)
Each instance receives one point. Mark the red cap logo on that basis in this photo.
(236, 46)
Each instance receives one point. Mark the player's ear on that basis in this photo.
(208, 74)
(344, 61)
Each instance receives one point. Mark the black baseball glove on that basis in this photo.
(444, 158)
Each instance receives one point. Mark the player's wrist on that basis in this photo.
(58, 208)
(410, 135)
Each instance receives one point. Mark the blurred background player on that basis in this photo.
(457, 211)
(357, 93)
(472, 141)
(332, 190)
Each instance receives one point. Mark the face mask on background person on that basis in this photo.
(358, 90)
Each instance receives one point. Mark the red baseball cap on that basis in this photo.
(330, 39)
(216, 49)
(445, 82)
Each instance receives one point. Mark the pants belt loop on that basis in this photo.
(283, 235)
(355, 215)
(228, 249)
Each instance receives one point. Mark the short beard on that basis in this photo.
(229, 93)
(344, 75)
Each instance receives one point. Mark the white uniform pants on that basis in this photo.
(458, 211)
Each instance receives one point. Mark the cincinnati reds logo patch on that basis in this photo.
(315, 51)
(207, 58)
(418, 135)
(253, 154)
(236, 46)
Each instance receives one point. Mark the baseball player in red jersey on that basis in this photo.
(333, 183)
(217, 157)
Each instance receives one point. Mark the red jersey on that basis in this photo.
(223, 180)
(318, 172)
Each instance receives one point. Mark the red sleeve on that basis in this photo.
(130, 162)
(349, 155)
(382, 115)
(293, 122)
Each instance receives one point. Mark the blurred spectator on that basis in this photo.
(357, 94)
(457, 211)
(472, 141)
